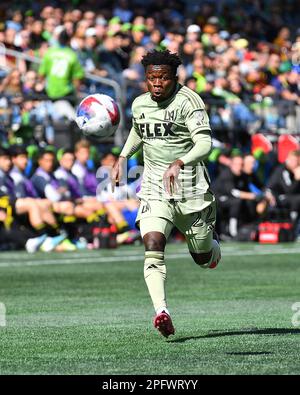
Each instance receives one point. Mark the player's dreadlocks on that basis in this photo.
(161, 58)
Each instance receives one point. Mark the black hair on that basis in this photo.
(16, 150)
(67, 151)
(4, 152)
(64, 37)
(161, 58)
(44, 152)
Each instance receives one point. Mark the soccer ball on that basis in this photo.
(98, 115)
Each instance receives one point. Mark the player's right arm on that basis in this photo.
(132, 145)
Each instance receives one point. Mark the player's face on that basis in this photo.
(83, 155)
(236, 165)
(67, 161)
(5, 163)
(47, 162)
(249, 163)
(160, 81)
(292, 162)
(20, 161)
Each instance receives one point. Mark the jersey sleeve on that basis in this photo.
(200, 151)
(134, 140)
(197, 122)
(196, 117)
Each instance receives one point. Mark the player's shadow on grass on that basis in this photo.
(252, 331)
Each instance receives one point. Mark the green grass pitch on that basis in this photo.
(90, 313)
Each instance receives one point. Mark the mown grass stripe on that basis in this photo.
(138, 257)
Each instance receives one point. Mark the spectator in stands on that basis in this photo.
(283, 187)
(31, 85)
(234, 198)
(36, 38)
(109, 59)
(9, 42)
(255, 185)
(11, 85)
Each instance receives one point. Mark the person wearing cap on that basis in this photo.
(88, 52)
(138, 32)
(193, 33)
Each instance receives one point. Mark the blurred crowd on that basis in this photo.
(242, 57)
(51, 199)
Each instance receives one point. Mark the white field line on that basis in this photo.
(258, 250)
(101, 259)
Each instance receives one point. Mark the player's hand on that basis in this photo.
(170, 178)
(270, 198)
(117, 172)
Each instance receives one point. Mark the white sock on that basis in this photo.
(155, 274)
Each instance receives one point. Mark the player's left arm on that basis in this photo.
(132, 145)
(197, 122)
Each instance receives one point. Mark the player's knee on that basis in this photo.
(154, 241)
(201, 258)
(44, 204)
(67, 208)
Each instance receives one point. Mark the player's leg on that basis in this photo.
(203, 243)
(47, 213)
(116, 215)
(29, 207)
(81, 211)
(64, 207)
(155, 232)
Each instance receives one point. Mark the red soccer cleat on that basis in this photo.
(164, 324)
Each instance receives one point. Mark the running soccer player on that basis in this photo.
(171, 124)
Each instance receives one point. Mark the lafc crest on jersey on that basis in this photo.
(170, 115)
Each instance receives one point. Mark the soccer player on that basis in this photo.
(61, 69)
(38, 215)
(88, 185)
(84, 207)
(171, 124)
